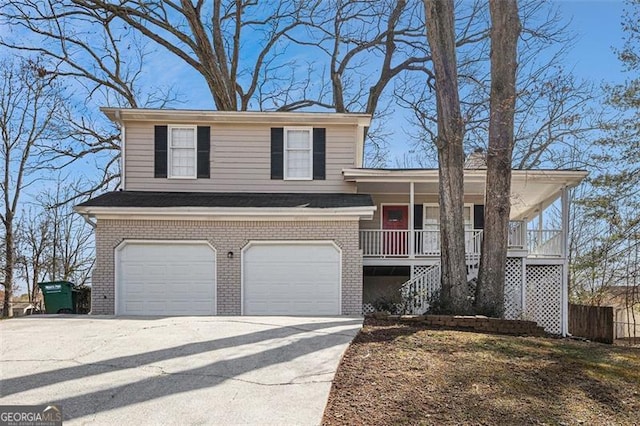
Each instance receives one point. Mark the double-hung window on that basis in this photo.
(182, 152)
(298, 155)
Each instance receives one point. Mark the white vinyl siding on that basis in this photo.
(182, 151)
(240, 160)
(298, 154)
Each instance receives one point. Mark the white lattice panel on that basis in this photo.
(544, 296)
(367, 308)
(513, 288)
(419, 270)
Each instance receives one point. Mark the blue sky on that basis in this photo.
(598, 30)
(596, 24)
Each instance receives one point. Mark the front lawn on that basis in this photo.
(408, 374)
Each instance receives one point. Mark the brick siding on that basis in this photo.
(225, 236)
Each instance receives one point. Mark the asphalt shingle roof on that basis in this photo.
(227, 199)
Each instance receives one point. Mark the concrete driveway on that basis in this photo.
(179, 370)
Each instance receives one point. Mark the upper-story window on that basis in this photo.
(298, 154)
(182, 152)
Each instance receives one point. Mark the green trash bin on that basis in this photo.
(58, 297)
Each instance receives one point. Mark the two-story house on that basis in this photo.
(269, 213)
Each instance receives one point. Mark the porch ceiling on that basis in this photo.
(531, 190)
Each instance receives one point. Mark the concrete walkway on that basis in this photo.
(180, 370)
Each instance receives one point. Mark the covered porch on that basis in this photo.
(406, 224)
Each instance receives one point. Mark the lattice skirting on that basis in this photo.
(419, 270)
(513, 289)
(367, 308)
(544, 296)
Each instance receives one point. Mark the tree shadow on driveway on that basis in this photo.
(170, 383)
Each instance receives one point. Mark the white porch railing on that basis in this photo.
(396, 243)
(384, 243)
(418, 291)
(545, 242)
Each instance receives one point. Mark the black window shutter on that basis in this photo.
(478, 216)
(277, 153)
(160, 152)
(417, 216)
(204, 147)
(417, 224)
(319, 153)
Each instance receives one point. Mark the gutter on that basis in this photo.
(86, 219)
(228, 213)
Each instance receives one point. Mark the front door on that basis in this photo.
(395, 220)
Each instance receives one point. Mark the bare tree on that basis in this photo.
(554, 116)
(505, 30)
(212, 40)
(28, 107)
(71, 238)
(101, 61)
(440, 33)
(605, 250)
(53, 243)
(32, 246)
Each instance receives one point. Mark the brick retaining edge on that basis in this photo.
(469, 323)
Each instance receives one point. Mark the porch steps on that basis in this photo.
(419, 290)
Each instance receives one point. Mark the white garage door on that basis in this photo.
(291, 279)
(166, 279)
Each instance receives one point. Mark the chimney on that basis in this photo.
(476, 160)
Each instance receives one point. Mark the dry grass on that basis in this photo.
(406, 374)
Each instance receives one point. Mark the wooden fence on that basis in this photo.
(591, 322)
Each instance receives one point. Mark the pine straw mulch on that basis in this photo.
(408, 374)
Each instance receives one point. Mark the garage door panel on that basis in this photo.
(166, 279)
(290, 252)
(291, 279)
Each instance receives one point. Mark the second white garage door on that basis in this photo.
(291, 278)
(166, 278)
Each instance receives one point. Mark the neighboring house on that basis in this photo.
(269, 213)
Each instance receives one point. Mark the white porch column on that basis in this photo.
(564, 197)
(540, 219)
(412, 233)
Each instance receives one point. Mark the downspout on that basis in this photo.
(89, 221)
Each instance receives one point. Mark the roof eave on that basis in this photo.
(569, 178)
(203, 116)
(228, 213)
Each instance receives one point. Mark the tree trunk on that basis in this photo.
(504, 39)
(8, 268)
(440, 34)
